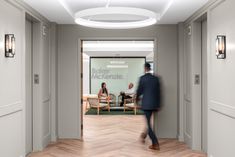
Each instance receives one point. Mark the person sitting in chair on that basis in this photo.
(129, 93)
(103, 92)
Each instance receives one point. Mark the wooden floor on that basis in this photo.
(115, 136)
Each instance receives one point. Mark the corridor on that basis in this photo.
(57, 54)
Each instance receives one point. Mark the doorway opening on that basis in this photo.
(118, 63)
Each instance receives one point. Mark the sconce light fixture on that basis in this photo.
(9, 45)
(221, 47)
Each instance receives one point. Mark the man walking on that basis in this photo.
(149, 88)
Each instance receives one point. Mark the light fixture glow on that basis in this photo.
(117, 66)
(117, 62)
(221, 47)
(150, 17)
(9, 45)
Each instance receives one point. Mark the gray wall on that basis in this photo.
(220, 84)
(12, 100)
(69, 68)
(12, 81)
(221, 114)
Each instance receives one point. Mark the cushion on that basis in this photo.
(130, 105)
(103, 104)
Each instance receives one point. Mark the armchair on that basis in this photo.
(95, 103)
(131, 104)
(112, 99)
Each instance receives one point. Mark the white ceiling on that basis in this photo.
(62, 11)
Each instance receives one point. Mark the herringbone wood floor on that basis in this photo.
(115, 136)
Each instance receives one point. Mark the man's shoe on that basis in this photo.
(142, 137)
(154, 147)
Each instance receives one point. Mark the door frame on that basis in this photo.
(80, 73)
(30, 65)
(36, 118)
(195, 98)
(204, 88)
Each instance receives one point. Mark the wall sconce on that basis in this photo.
(221, 47)
(9, 45)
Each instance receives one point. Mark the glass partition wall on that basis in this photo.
(117, 73)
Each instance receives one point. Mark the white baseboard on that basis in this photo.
(188, 139)
(54, 137)
(181, 138)
(46, 140)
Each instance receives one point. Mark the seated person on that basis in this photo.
(129, 93)
(103, 92)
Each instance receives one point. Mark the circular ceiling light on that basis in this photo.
(116, 17)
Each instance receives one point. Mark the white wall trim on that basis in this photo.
(54, 137)
(196, 88)
(187, 138)
(53, 82)
(46, 100)
(30, 10)
(180, 137)
(46, 139)
(11, 108)
(218, 2)
(203, 10)
(187, 99)
(156, 63)
(79, 91)
(181, 82)
(221, 108)
(80, 117)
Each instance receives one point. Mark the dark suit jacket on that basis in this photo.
(149, 88)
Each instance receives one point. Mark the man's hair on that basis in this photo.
(147, 66)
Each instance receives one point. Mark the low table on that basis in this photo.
(117, 108)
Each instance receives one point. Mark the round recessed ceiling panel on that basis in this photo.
(116, 17)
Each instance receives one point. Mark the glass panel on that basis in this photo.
(117, 73)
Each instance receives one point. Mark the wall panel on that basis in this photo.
(12, 101)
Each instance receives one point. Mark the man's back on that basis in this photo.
(149, 87)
